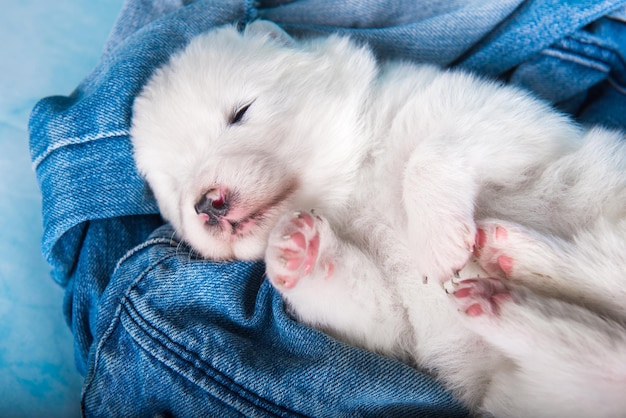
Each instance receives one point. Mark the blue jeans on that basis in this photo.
(158, 331)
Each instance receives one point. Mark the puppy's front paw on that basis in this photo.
(443, 252)
(294, 250)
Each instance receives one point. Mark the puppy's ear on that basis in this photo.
(275, 32)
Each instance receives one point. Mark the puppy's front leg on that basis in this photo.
(332, 285)
(439, 195)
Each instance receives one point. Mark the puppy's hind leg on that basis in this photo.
(567, 361)
(589, 269)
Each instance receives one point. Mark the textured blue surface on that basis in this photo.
(47, 48)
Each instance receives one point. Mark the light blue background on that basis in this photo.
(47, 47)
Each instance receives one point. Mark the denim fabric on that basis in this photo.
(159, 332)
(583, 73)
(213, 340)
(571, 53)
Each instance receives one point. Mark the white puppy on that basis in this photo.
(415, 175)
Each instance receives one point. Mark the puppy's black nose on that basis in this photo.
(214, 204)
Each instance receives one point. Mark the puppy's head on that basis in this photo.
(230, 133)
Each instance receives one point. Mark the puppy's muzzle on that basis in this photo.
(215, 204)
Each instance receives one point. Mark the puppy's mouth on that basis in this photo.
(227, 210)
(233, 226)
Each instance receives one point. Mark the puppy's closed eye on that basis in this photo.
(239, 113)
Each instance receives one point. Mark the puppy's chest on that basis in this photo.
(375, 219)
(378, 189)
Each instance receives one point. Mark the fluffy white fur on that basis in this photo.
(413, 174)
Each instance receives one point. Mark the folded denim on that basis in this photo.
(213, 340)
(160, 332)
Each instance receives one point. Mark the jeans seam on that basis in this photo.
(77, 140)
(125, 305)
(193, 361)
(142, 246)
(115, 322)
(599, 45)
(163, 347)
(577, 59)
(604, 50)
(618, 87)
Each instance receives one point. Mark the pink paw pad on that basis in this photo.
(296, 250)
(506, 264)
(304, 257)
(480, 296)
(489, 240)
